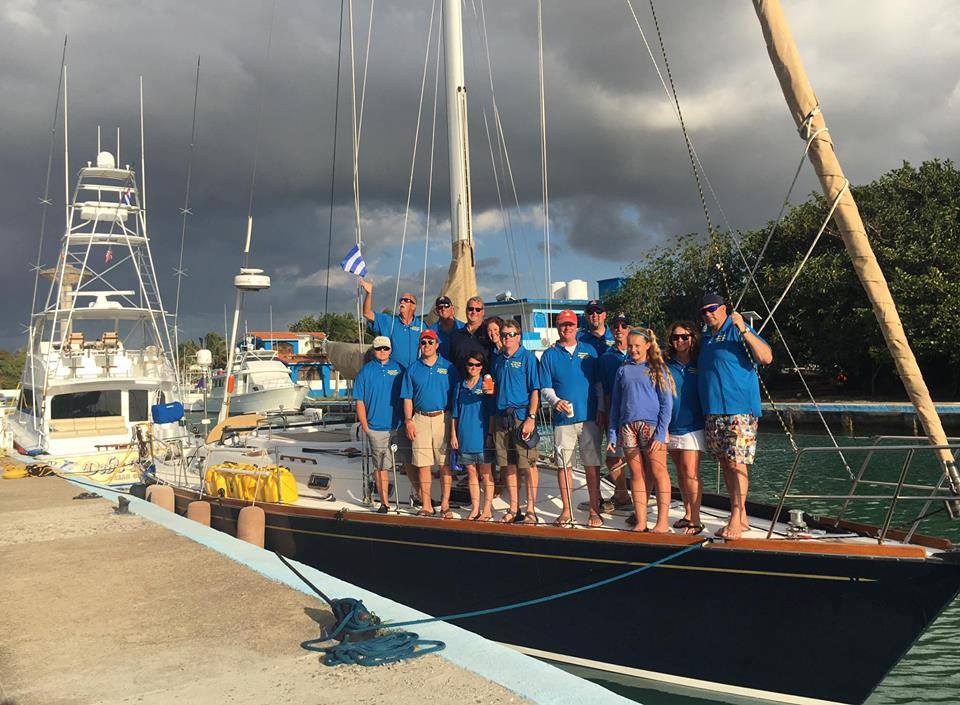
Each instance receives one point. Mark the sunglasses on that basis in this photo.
(625, 326)
(428, 341)
(680, 336)
(474, 309)
(406, 300)
(381, 348)
(510, 335)
(710, 309)
(474, 364)
(593, 311)
(439, 306)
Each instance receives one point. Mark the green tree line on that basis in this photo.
(912, 216)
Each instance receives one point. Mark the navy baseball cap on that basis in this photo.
(595, 306)
(711, 299)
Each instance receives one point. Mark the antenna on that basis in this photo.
(143, 164)
(118, 147)
(98, 140)
(66, 153)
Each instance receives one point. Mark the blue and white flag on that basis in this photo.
(354, 263)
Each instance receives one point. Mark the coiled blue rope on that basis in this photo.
(354, 619)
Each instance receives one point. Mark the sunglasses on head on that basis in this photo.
(710, 309)
(381, 348)
(512, 334)
(428, 341)
(680, 336)
(407, 300)
(475, 309)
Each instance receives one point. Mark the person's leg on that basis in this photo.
(657, 463)
(473, 484)
(509, 474)
(564, 440)
(486, 476)
(677, 457)
(446, 482)
(734, 526)
(691, 486)
(382, 477)
(425, 480)
(532, 475)
(637, 487)
(589, 440)
(740, 471)
(617, 472)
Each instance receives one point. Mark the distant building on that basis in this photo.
(537, 317)
(606, 287)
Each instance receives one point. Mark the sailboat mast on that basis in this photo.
(461, 280)
(805, 109)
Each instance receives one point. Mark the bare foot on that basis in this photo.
(641, 529)
(659, 528)
(728, 533)
(595, 521)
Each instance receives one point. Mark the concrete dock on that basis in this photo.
(98, 607)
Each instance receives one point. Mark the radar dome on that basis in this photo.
(105, 160)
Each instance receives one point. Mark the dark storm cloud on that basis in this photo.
(618, 170)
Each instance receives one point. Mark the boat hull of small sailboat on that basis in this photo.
(776, 619)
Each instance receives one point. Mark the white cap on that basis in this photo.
(382, 341)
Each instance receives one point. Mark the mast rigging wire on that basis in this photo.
(543, 163)
(433, 134)
(333, 165)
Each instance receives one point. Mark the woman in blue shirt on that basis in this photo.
(640, 407)
(686, 423)
(472, 409)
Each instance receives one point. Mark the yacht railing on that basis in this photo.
(938, 492)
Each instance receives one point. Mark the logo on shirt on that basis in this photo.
(516, 364)
(393, 373)
(583, 355)
(442, 371)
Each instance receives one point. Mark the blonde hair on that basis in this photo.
(656, 365)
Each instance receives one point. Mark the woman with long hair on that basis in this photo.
(491, 332)
(640, 408)
(686, 440)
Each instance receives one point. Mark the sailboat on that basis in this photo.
(793, 585)
(98, 356)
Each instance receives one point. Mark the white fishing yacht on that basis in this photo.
(99, 352)
(259, 383)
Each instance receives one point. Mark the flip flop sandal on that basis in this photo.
(473, 517)
(682, 524)
(563, 523)
(592, 522)
(425, 513)
(530, 518)
(446, 514)
(508, 518)
(483, 518)
(694, 529)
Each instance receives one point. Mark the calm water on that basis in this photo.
(930, 673)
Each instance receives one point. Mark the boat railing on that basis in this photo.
(928, 493)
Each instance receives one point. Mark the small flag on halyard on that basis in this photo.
(108, 257)
(354, 263)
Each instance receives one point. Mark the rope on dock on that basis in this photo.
(353, 619)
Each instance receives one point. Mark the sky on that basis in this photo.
(619, 180)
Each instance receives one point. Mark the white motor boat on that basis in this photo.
(261, 384)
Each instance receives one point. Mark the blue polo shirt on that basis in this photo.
(429, 386)
(728, 379)
(600, 343)
(443, 347)
(472, 409)
(405, 338)
(687, 415)
(515, 377)
(609, 363)
(572, 376)
(378, 387)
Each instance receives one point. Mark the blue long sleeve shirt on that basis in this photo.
(636, 398)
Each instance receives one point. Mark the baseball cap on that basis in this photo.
(429, 334)
(566, 316)
(445, 300)
(620, 318)
(710, 299)
(382, 341)
(595, 306)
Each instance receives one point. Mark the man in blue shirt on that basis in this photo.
(427, 388)
(446, 325)
(730, 397)
(608, 364)
(403, 329)
(516, 376)
(596, 334)
(377, 393)
(568, 375)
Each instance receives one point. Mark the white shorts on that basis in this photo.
(687, 441)
(587, 434)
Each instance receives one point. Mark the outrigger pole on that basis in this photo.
(805, 109)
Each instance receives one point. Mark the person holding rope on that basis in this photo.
(516, 376)
(608, 364)
(730, 396)
(426, 391)
(403, 329)
(469, 434)
(640, 408)
(686, 440)
(377, 393)
(568, 375)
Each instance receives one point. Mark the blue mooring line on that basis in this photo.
(354, 619)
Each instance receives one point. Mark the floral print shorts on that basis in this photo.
(732, 437)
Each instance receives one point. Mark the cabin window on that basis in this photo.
(138, 405)
(80, 405)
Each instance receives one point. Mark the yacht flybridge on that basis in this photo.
(99, 351)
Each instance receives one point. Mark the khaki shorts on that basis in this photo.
(586, 434)
(508, 451)
(433, 435)
(379, 442)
